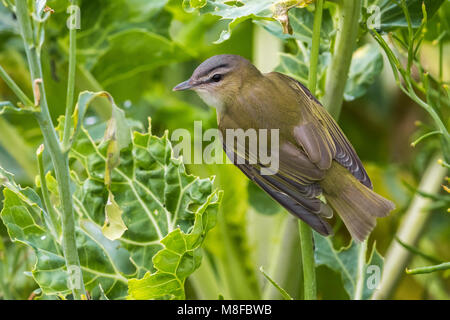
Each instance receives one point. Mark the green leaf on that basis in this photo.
(392, 16)
(7, 107)
(283, 292)
(360, 277)
(149, 193)
(179, 258)
(297, 67)
(367, 64)
(117, 130)
(236, 12)
(155, 193)
(302, 21)
(438, 27)
(143, 50)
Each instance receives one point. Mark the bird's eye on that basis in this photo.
(216, 77)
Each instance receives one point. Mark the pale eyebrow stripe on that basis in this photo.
(213, 69)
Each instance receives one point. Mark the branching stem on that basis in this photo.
(51, 141)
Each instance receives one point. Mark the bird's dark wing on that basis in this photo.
(298, 198)
(318, 128)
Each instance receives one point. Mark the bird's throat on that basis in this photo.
(212, 100)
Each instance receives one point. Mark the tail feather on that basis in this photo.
(357, 205)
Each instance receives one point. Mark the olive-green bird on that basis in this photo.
(315, 157)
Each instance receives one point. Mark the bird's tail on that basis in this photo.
(357, 205)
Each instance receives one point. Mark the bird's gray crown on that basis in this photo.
(225, 62)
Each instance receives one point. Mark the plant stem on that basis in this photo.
(283, 292)
(410, 229)
(86, 81)
(309, 271)
(337, 74)
(361, 263)
(53, 217)
(70, 84)
(306, 238)
(59, 159)
(315, 46)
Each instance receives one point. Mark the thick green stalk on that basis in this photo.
(70, 84)
(410, 229)
(59, 159)
(306, 238)
(53, 217)
(315, 46)
(309, 269)
(347, 32)
(361, 270)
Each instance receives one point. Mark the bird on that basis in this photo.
(319, 170)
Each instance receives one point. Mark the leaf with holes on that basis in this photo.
(360, 277)
(161, 205)
(126, 227)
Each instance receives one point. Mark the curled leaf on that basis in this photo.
(280, 12)
(114, 226)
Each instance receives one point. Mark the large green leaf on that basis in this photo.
(148, 192)
(180, 257)
(367, 64)
(392, 16)
(236, 12)
(302, 21)
(143, 51)
(360, 277)
(297, 67)
(152, 189)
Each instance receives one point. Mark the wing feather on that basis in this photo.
(299, 199)
(344, 153)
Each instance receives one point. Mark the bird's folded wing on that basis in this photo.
(345, 154)
(318, 128)
(298, 198)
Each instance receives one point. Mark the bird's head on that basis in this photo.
(220, 78)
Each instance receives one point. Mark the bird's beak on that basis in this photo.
(183, 86)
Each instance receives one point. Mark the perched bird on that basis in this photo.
(315, 157)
